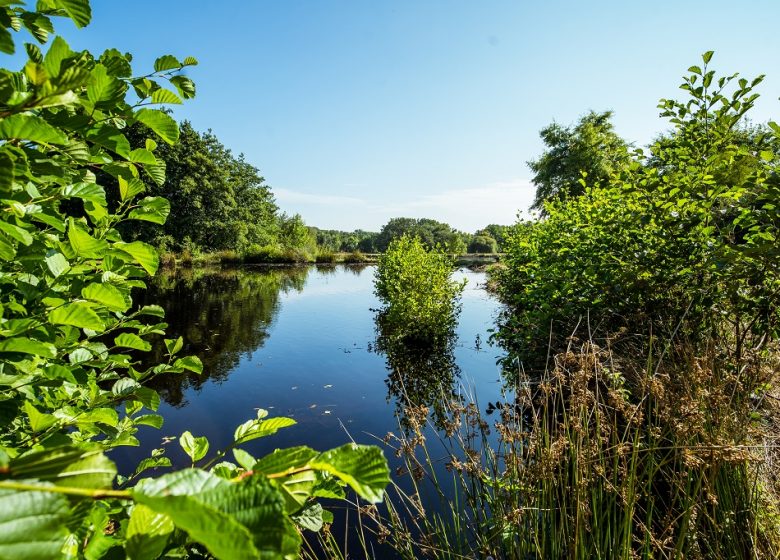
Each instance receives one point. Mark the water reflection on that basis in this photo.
(221, 314)
(419, 374)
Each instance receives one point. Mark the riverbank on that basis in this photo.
(293, 257)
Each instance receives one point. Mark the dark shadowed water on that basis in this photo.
(302, 342)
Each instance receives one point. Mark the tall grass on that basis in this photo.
(601, 457)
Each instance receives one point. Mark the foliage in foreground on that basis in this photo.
(71, 336)
(417, 289)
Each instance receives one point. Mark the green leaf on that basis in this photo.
(77, 314)
(78, 10)
(310, 518)
(185, 86)
(362, 467)
(21, 235)
(107, 295)
(283, 460)
(143, 253)
(39, 421)
(32, 525)
(57, 263)
(28, 346)
(165, 96)
(58, 51)
(179, 496)
(195, 447)
(190, 363)
(153, 420)
(66, 466)
(6, 41)
(152, 310)
(83, 243)
(130, 340)
(147, 533)
(253, 429)
(244, 459)
(104, 87)
(30, 128)
(161, 123)
(86, 191)
(190, 61)
(130, 189)
(706, 57)
(153, 209)
(166, 62)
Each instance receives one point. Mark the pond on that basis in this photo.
(302, 342)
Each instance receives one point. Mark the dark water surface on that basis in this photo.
(301, 342)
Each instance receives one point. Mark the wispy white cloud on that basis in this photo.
(466, 209)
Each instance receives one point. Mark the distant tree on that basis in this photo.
(432, 233)
(497, 232)
(483, 244)
(591, 146)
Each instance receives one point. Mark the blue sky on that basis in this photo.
(359, 111)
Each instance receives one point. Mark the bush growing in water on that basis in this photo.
(421, 298)
(70, 334)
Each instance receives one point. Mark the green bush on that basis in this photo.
(325, 256)
(483, 244)
(73, 385)
(683, 242)
(421, 299)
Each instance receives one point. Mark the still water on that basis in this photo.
(302, 342)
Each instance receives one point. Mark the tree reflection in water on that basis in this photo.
(420, 373)
(222, 314)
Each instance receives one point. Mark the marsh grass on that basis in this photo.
(601, 457)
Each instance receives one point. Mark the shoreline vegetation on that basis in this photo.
(281, 258)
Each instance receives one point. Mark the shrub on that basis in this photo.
(355, 257)
(325, 257)
(421, 299)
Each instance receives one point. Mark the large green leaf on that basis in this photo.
(28, 346)
(83, 243)
(66, 466)
(78, 10)
(32, 525)
(161, 123)
(178, 495)
(147, 533)
(166, 62)
(283, 460)
(78, 314)
(143, 253)
(130, 340)
(363, 467)
(104, 87)
(86, 191)
(58, 51)
(107, 295)
(30, 128)
(153, 209)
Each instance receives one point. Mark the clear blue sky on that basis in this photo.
(358, 111)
